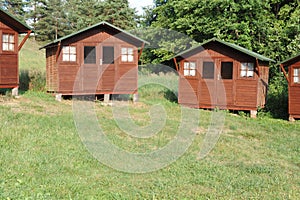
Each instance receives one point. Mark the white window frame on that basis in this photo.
(247, 70)
(69, 54)
(189, 68)
(127, 54)
(8, 42)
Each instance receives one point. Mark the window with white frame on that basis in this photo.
(189, 68)
(296, 75)
(8, 42)
(247, 70)
(127, 54)
(69, 53)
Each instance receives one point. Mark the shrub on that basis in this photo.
(32, 80)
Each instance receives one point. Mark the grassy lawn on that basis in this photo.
(42, 156)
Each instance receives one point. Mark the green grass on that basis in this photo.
(30, 57)
(42, 156)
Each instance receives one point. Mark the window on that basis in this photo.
(8, 42)
(108, 55)
(126, 54)
(296, 75)
(208, 71)
(247, 69)
(90, 55)
(226, 70)
(69, 53)
(189, 69)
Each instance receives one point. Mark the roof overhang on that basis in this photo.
(11, 21)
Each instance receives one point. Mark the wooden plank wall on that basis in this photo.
(294, 94)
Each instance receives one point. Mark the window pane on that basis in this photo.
(5, 38)
(226, 70)
(250, 66)
(65, 57)
(192, 72)
(124, 58)
(72, 50)
(208, 71)
(73, 58)
(65, 50)
(90, 55)
(186, 73)
(186, 65)
(296, 76)
(124, 51)
(11, 39)
(130, 58)
(5, 46)
(192, 65)
(130, 51)
(108, 55)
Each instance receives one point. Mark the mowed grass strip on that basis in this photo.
(42, 156)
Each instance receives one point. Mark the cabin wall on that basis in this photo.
(9, 73)
(263, 84)
(51, 69)
(115, 78)
(294, 94)
(238, 93)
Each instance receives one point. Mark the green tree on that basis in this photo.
(15, 7)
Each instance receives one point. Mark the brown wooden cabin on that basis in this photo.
(218, 74)
(10, 28)
(293, 78)
(101, 59)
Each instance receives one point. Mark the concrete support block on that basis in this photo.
(253, 113)
(291, 119)
(106, 98)
(15, 92)
(58, 97)
(135, 98)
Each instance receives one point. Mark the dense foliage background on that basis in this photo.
(268, 27)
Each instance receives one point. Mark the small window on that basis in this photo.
(226, 70)
(127, 54)
(90, 55)
(247, 70)
(8, 42)
(108, 55)
(69, 53)
(189, 69)
(208, 71)
(296, 75)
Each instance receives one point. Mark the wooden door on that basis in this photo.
(224, 83)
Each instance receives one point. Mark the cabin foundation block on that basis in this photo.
(135, 97)
(106, 98)
(291, 119)
(58, 97)
(15, 91)
(253, 113)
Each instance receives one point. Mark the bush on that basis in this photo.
(32, 80)
(277, 100)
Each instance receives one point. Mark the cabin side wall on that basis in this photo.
(238, 93)
(51, 69)
(115, 78)
(9, 72)
(294, 93)
(263, 84)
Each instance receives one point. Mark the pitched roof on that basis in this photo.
(231, 45)
(103, 23)
(13, 22)
(291, 60)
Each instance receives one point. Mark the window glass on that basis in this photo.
(247, 70)
(90, 55)
(226, 70)
(208, 71)
(127, 54)
(297, 75)
(189, 69)
(8, 42)
(69, 53)
(108, 55)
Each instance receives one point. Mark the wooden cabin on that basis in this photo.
(10, 28)
(293, 78)
(218, 74)
(101, 59)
